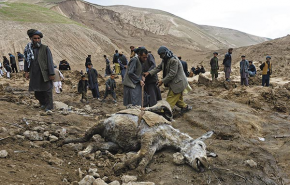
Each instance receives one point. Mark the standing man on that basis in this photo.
(266, 68)
(227, 64)
(214, 64)
(133, 81)
(88, 60)
(133, 54)
(39, 68)
(108, 68)
(20, 61)
(57, 80)
(116, 63)
(93, 81)
(244, 66)
(151, 87)
(252, 69)
(185, 67)
(173, 77)
(123, 62)
(13, 63)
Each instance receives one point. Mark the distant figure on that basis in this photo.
(116, 63)
(202, 70)
(244, 66)
(227, 62)
(20, 61)
(1, 70)
(13, 63)
(173, 77)
(57, 80)
(133, 54)
(39, 68)
(108, 70)
(197, 70)
(123, 62)
(110, 88)
(64, 65)
(88, 60)
(214, 66)
(93, 81)
(185, 67)
(252, 69)
(5, 61)
(133, 81)
(8, 70)
(82, 88)
(151, 87)
(266, 68)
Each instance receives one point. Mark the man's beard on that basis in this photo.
(37, 44)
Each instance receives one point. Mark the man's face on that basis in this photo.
(215, 55)
(243, 58)
(112, 77)
(89, 66)
(142, 57)
(250, 63)
(162, 55)
(36, 39)
(230, 51)
(132, 48)
(268, 59)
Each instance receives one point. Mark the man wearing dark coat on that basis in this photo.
(13, 63)
(88, 60)
(108, 67)
(151, 87)
(214, 66)
(93, 81)
(133, 81)
(123, 62)
(39, 68)
(185, 67)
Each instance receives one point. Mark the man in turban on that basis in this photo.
(39, 68)
(173, 77)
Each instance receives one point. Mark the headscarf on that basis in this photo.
(32, 32)
(166, 51)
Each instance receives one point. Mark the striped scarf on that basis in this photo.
(28, 54)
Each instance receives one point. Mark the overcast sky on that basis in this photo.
(267, 18)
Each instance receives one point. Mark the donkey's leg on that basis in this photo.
(92, 147)
(146, 159)
(97, 129)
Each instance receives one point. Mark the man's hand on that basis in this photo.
(109, 88)
(143, 78)
(142, 83)
(51, 77)
(159, 83)
(146, 74)
(26, 75)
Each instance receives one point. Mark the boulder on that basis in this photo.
(115, 183)
(87, 180)
(88, 108)
(251, 163)
(60, 105)
(53, 138)
(3, 153)
(128, 178)
(33, 135)
(93, 172)
(99, 182)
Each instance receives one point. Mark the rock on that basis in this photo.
(75, 147)
(59, 105)
(46, 134)
(20, 137)
(80, 173)
(99, 182)
(93, 172)
(38, 129)
(3, 129)
(87, 180)
(203, 80)
(53, 138)
(139, 183)
(75, 183)
(33, 135)
(178, 158)
(114, 183)
(251, 163)
(51, 159)
(88, 108)
(128, 178)
(3, 153)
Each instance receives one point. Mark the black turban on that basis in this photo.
(32, 32)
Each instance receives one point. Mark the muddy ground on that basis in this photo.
(252, 135)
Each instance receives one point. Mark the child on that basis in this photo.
(8, 70)
(58, 77)
(82, 88)
(110, 88)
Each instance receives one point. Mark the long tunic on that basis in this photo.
(36, 79)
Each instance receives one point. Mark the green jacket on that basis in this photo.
(175, 77)
(42, 60)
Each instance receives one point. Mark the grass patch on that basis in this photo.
(24, 12)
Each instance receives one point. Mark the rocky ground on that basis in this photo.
(251, 138)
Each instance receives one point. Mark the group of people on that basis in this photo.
(10, 66)
(247, 68)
